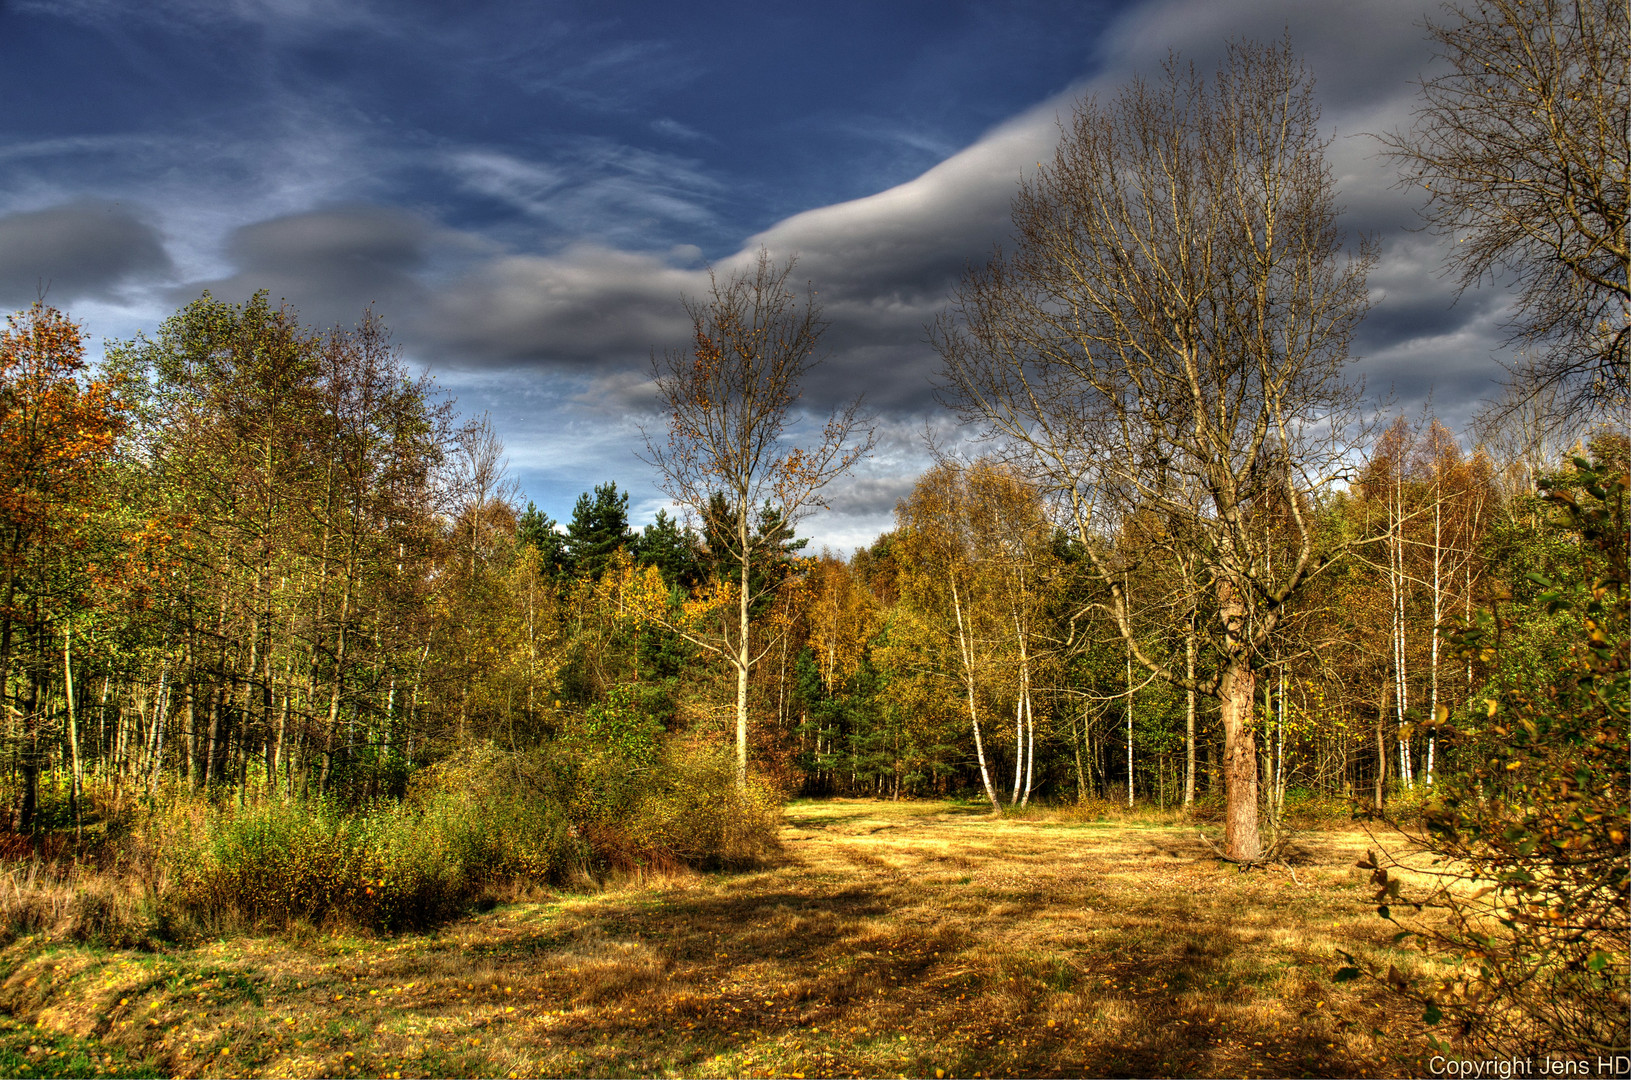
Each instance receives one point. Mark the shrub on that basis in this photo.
(698, 814)
(485, 822)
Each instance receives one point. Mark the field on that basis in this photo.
(922, 939)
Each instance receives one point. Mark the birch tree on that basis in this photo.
(1168, 335)
(731, 400)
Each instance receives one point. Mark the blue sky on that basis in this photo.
(525, 190)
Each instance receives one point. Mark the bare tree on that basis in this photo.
(1167, 340)
(1523, 148)
(730, 399)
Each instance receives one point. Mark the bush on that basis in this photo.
(699, 816)
(486, 822)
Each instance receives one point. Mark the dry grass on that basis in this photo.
(888, 939)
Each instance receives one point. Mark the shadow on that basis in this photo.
(917, 967)
(881, 944)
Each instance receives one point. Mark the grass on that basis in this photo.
(886, 939)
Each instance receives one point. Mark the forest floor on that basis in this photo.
(916, 939)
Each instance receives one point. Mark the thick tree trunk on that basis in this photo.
(1189, 710)
(1240, 838)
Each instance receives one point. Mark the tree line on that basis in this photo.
(249, 555)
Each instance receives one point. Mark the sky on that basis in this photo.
(524, 190)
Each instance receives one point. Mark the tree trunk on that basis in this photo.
(1129, 725)
(76, 791)
(1381, 745)
(744, 655)
(965, 647)
(1189, 713)
(1240, 838)
(160, 712)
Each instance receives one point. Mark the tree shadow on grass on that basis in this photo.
(801, 967)
(938, 945)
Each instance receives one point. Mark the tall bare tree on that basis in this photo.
(1167, 338)
(731, 401)
(1523, 149)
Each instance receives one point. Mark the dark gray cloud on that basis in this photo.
(332, 264)
(77, 251)
(555, 264)
(587, 309)
(885, 265)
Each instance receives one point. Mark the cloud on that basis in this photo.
(596, 190)
(181, 15)
(591, 307)
(884, 265)
(81, 250)
(331, 264)
(541, 271)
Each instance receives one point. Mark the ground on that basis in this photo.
(917, 939)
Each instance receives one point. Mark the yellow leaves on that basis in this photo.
(635, 595)
(708, 602)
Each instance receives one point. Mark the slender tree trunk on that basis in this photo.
(965, 648)
(76, 792)
(1129, 724)
(160, 715)
(1399, 583)
(1381, 745)
(1030, 743)
(744, 654)
(210, 772)
(31, 750)
(1076, 748)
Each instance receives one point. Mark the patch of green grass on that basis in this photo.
(26, 1050)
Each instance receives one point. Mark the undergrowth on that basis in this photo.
(483, 825)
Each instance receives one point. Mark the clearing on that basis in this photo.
(922, 939)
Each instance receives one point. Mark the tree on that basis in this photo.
(947, 589)
(1167, 338)
(672, 549)
(1524, 150)
(536, 530)
(599, 527)
(730, 400)
(56, 434)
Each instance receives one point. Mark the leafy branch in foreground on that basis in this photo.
(1526, 901)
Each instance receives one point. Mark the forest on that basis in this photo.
(281, 648)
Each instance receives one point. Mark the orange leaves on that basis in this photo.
(842, 615)
(57, 433)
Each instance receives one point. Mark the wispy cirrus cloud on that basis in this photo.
(596, 190)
